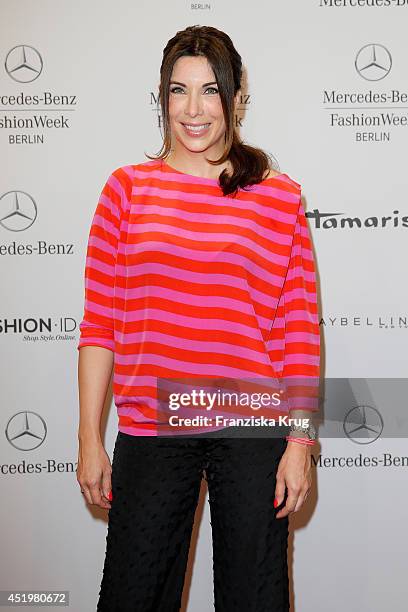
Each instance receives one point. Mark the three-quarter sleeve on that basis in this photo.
(298, 312)
(97, 325)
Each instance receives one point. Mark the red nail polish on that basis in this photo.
(275, 503)
(110, 495)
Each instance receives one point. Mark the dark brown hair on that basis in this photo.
(249, 163)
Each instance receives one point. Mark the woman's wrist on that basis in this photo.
(89, 436)
(300, 440)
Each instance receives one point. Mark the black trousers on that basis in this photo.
(155, 487)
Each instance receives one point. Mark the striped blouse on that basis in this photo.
(184, 282)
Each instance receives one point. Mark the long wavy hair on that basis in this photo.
(250, 164)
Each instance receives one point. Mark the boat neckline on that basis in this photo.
(210, 180)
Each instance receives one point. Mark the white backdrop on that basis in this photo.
(327, 96)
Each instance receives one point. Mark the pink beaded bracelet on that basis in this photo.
(300, 440)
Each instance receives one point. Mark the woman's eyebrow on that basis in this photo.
(184, 85)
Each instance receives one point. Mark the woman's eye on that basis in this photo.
(177, 88)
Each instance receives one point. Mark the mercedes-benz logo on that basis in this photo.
(363, 424)
(18, 211)
(26, 430)
(23, 63)
(373, 62)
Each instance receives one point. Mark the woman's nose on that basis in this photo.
(193, 105)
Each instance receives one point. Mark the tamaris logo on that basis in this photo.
(340, 220)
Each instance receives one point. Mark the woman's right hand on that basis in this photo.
(94, 473)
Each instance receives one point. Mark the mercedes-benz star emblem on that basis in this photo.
(26, 430)
(363, 424)
(18, 211)
(23, 64)
(373, 62)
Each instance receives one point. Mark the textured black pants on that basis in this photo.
(155, 487)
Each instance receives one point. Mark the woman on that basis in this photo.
(199, 264)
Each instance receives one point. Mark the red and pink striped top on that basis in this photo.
(182, 281)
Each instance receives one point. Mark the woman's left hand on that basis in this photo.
(294, 472)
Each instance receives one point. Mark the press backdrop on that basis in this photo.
(325, 93)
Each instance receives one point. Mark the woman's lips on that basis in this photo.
(194, 130)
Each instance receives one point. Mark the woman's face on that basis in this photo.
(195, 111)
